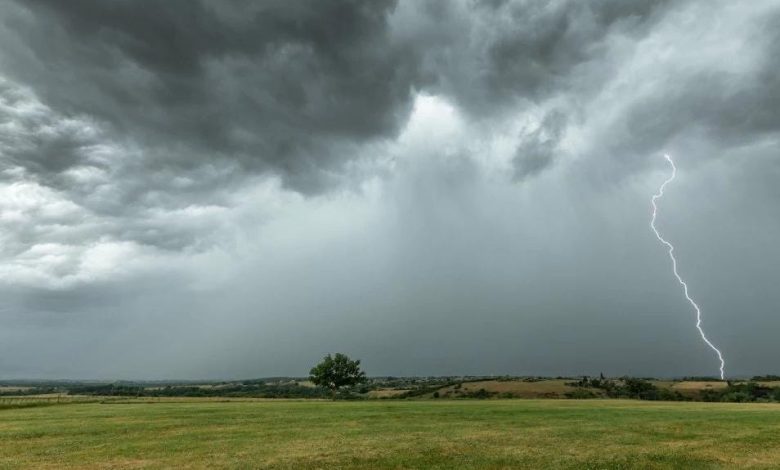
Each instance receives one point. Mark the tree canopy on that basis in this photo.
(337, 371)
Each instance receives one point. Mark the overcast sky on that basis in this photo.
(234, 189)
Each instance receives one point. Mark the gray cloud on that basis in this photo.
(223, 189)
(538, 146)
(496, 54)
(287, 87)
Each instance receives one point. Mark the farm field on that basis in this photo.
(442, 434)
(547, 388)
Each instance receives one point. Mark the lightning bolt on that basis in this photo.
(674, 264)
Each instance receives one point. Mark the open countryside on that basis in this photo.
(391, 434)
(392, 423)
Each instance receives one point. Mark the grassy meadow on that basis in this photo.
(382, 434)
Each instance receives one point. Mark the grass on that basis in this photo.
(471, 434)
(40, 400)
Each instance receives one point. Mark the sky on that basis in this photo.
(233, 189)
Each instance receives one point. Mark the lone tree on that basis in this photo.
(336, 372)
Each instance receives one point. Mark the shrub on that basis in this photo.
(480, 394)
(736, 397)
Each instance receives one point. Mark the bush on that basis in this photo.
(736, 397)
(640, 388)
(710, 395)
(480, 394)
(664, 394)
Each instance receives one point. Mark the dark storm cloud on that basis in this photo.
(232, 188)
(531, 53)
(295, 88)
(291, 87)
(288, 87)
(726, 106)
(522, 50)
(36, 139)
(538, 147)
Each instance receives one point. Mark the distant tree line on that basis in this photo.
(339, 377)
(644, 389)
(254, 389)
(742, 392)
(626, 387)
(28, 391)
(766, 378)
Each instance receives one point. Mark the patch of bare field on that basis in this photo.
(386, 392)
(770, 383)
(696, 385)
(515, 388)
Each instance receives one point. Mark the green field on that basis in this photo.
(392, 434)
